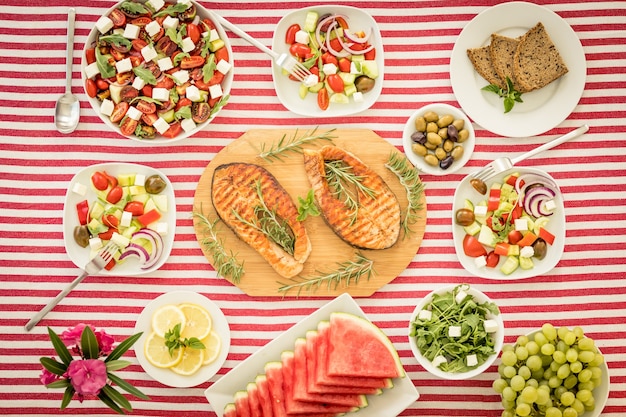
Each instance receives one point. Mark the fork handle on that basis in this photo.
(37, 317)
(551, 144)
(243, 35)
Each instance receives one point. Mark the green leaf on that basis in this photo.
(179, 57)
(208, 69)
(175, 36)
(221, 103)
(110, 403)
(123, 347)
(127, 387)
(104, 66)
(194, 343)
(133, 8)
(67, 396)
(508, 104)
(53, 366)
(89, 344)
(171, 10)
(492, 88)
(116, 365)
(60, 347)
(117, 40)
(60, 383)
(183, 113)
(145, 74)
(307, 207)
(113, 394)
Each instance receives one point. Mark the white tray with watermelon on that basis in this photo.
(334, 361)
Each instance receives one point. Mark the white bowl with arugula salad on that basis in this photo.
(342, 46)
(456, 332)
(157, 71)
(511, 227)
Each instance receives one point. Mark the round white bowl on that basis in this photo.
(441, 109)
(498, 336)
(202, 13)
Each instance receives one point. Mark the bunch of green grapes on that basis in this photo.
(550, 374)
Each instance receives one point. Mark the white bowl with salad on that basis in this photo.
(130, 204)
(456, 332)
(514, 230)
(157, 71)
(343, 47)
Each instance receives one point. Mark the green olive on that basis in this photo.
(431, 116)
(440, 153)
(457, 152)
(154, 184)
(420, 124)
(459, 124)
(432, 127)
(443, 132)
(419, 149)
(444, 121)
(433, 138)
(448, 145)
(464, 217)
(81, 236)
(431, 160)
(463, 135)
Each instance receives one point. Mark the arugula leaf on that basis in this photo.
(208, 69)
(172, 10)
(221, 103)
(104, 66)
(179, 57)
(183, 113)
(134, 8)
(117, 40)
(307, 207)
(145, 74)
(510, 94)
(175, 36)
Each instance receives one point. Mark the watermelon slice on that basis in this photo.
(241, 404)
(323, 378)
(263, 392)
(230, 410)
(253, 400)
(354, 344)
(274, 373)
(310, 409)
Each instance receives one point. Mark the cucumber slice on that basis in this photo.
(526, 263)
(310, 22)
(473, 229)
(510, 265)
(339, 98)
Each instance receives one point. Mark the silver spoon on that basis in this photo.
(67, 111)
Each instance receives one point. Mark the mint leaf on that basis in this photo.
(307, 207)
(510, 94)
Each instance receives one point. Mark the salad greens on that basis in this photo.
(432, 335)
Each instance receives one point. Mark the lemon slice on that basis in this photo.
(190, 363)
(212, 345)
(157, 353)
(166, 317)
(198, 321)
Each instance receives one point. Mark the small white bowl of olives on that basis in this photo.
(438, 139)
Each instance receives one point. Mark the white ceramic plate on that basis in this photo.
(287, 90)
(392, 402)
(556, 226)
(542, 109)
(144, 324)
(479, 297)
(202, 13)
(80, 256)
(441, 109)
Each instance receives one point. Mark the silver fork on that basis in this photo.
(93, 267)
(502, 164)
(284, 60)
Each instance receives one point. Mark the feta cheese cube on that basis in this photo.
(161, 228)
(160, 93)
(358, 97)
(188, 45)
(471, 360)
(425, 315)
(302, 37)
(95, 243)
(140, 180)
(104, 24)
(521, 224)
(107, 107)
(131, 31)
(224, 66)
(491, 326)
(139, 83)
(311, 80)
(549, 205)
(480, 210)
(92, 70)
(170, 23)
(165, 63)
(181, 76)
(149, 53)
(161, 125)
(193, 93)
(215, 91)
(156, 4)
(526, 252)
(213, 35)
(188, 125)
(329, 69)
(153, 27)
(79, 189)
(480, 261)
(127, 217)
(133, 113)
(123, 65)
(438, 360)
(460, 296)
(120, 240)
(454, 331)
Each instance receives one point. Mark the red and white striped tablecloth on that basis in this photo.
(587, 287)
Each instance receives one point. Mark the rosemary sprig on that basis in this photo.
(225, 263)
(413, 186)
(294, 144)
(349, 272)
(267, 222)
(346, 185)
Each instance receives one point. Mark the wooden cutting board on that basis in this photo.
(329, 251)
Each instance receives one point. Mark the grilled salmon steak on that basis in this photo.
(247, 196)
(374, 223)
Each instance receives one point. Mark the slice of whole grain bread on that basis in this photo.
(537, 61)
(501, 51)
(481, 61)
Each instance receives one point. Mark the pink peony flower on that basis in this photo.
(88, 376)
(47, 377)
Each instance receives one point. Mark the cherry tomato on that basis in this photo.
(141, 21)
(208, 23)
(344, 65)
(134, 207)
(290, 36)
(370, 55)
(128, 93)
(91, 88)
(118, 18)
(193, 31)
(146, 107)
(492, 259)
(328, 58)
(165, 82)
(115, 194)
(299, 50)
(128, 126)
(138, 44)
(117, 55)
(200, 112)
(108, 234)
(149, 119)
(119, 111)
(472, 247)
(216, 78)
(221, 54)
(515, 236)
(99, 181)
(110, 220)
(184, 101)
(111, 263)
(149, 217)
(147, 90)
(90, 55)
(112, 180)
(189, 62)
(323, 100)
(335, 82)
(336, 45)
(102, 84)
(173, 131)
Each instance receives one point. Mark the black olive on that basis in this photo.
(446, 162)
(81, 236)
(479, 185)
(464, 217)
(541, 248)
(154, 184)
(453, 133)
(419, 137)
(363, 83)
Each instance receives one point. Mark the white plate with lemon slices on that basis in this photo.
(200, 318)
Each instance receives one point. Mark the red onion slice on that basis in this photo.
(535, 199)
(352, 37)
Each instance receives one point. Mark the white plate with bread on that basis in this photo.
(542, 108)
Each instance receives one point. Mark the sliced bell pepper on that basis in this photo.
(82, 209)
(528, 239)
(494, 199)
(149, 217)
(512, 179)
(547, 236)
